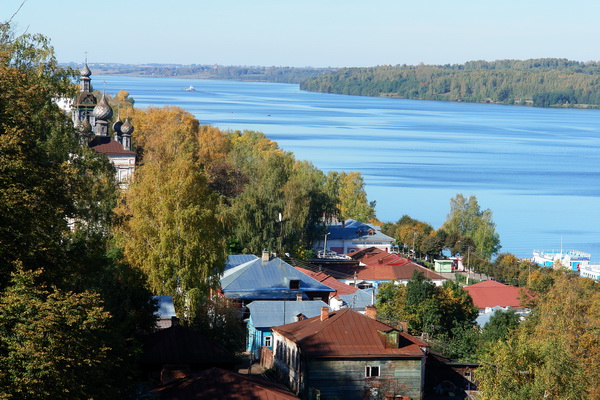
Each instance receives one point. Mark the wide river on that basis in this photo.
(537, 169)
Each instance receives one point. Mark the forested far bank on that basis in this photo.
(210, 71)
(538, 82)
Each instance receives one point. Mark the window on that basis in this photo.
(268, 341)
(294, 284)
(371, 371)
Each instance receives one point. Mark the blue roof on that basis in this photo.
(266, 314)
(267, 280)
(236, 259)
(356, 230)
(166, 309)
(357, 300)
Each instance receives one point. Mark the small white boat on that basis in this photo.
(190, 89)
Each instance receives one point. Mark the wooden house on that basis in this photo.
(348, 355)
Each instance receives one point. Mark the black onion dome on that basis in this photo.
(102, 111)
(127, 128)
(85, 71)
(117, 126)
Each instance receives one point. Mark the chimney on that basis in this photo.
(371, 312)
(404, 326)
(299, 297)
(266, 256)
(324, 313)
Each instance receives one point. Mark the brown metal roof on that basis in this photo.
(107, 145)
(348, 334)
(339, 287)
(217, 383)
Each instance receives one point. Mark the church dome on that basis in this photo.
(102, 111)
(85, 127)
(127, 128)
(85, 71)
(117, 126)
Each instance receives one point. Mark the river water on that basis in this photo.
(537, 169)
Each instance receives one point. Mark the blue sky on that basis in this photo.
(316, 33)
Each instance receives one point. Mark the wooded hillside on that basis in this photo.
(538, 82)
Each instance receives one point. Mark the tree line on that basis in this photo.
(538, 82)
(223, 72)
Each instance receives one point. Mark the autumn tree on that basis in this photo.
(555, 352)
(349, 189)
(172, 230)
(466, 219)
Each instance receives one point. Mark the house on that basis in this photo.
(447, 377)
(451, 264)
(377, 266)
(270, 278)
(233, 260)
(166, 311)
(344, 295)
(348, 355)
(351, 236)
(217, 383)
(178, 351)
(266, 314)
(91, 118)
(489, 294)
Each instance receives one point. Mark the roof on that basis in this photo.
(180, 345)
(166, 309)
(234, 260)
(107, 145)
(258, 279)
(354, 230)
(492, 293)
(339, 287)
(379, 265)
(268, 313)
(217, 383)
(348, 334)
(353, 297)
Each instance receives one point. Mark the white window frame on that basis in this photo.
(269, 341)
(370, 371)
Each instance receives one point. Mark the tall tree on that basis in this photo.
(349, 189)
(466, 219)
(172, 229)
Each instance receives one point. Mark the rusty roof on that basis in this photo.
(217, 383)
(492, 293)
(339, 287)
(107, 145)
(348, 334)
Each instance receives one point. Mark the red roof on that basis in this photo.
(339, 287)
(107, 145)
(217, 383)
(492, 293)
(349, 334)
(377, 264)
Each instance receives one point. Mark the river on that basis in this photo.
(537, 169)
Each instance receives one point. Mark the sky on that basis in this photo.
(317, 33)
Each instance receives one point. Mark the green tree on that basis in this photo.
(53, 344)
(172, 230)
(466, 219)
(555, 351)
(349, 189)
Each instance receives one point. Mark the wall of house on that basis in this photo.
(345, 379)
(287, 362)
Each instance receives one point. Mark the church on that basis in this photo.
(91, 118)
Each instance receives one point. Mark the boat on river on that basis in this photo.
(572, 259)
(189, 89)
